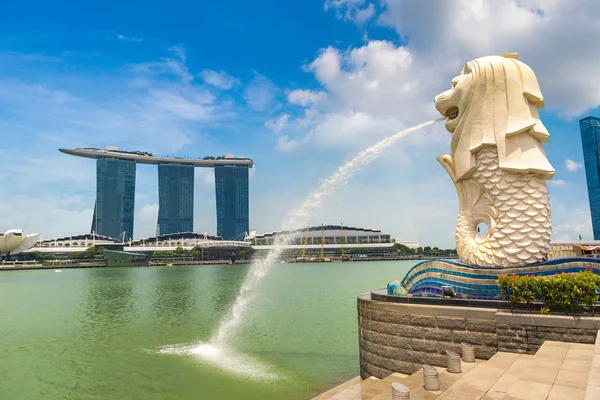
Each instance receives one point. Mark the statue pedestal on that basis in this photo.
(427, 277)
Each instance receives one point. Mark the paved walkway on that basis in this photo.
(558, 371)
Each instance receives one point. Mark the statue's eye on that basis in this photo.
(455, 81)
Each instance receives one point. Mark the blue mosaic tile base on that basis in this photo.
(427, 277)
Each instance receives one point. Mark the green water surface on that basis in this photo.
(96, 333)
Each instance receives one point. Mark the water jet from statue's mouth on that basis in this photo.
(452, 113)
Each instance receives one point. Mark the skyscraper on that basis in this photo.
(590, 141)
(115, 196)
(231, 187)
(175, 198)
(115, 191)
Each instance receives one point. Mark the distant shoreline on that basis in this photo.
(28, 267)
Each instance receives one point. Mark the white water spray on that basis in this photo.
(216, 352)
(296, 220)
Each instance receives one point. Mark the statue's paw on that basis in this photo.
(394, 288)
(447, 162)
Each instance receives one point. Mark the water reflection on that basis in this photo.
(174, 292)
(226, 281)
(109, 296)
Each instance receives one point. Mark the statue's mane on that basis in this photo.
(502, 110)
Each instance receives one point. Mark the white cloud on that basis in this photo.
(155, 106)
(144, 221)
(220, 79)
(277, 125)
(572, 165)
(129, 38)
(395, 85)
(572, 223)
(46, 214)
(204, 178)
(444, 35)
(366, 96)
(557, 182)
(260, 94)
(352, 10)
(304, 97)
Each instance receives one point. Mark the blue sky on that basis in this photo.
(298, 86)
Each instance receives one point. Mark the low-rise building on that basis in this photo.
(571, 249)
(329, 241)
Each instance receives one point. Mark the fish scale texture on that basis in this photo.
(521, 235)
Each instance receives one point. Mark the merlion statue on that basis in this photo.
(497, 162)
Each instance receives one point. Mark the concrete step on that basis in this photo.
(332, 392)
(414, 383)
(510, 376)
(447, 379)
(478, 381)
(395, 377)
(557, 371)
(363, 390)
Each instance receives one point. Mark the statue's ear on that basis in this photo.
(531, 88)
(524, 98)
(510, 55)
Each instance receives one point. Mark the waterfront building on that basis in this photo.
(115, 198)
(208, 247)
(15, 241)
(590, 141)
(329, 241)
(328, 235)
(115, 191)
(175, 198)
(231, 188)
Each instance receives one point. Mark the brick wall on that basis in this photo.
(397, 337)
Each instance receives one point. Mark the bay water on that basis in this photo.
(100, 333)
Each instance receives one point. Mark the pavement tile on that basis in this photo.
(566, 393)
(352, 394)
(512, 375)
(576, 365)
(333, 391)
(524, 390)
(594, 377)
(539, 375)
(573, 379)
(580, 354)
(592, 393)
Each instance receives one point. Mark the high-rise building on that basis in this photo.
(115, 197)
(115, 191)
(590, 140)
(175, 198)
(231, 187)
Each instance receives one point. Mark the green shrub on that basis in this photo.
(560, 291)
(519, 289)
(588, 283)
(564, 291)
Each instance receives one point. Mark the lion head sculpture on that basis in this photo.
(495, 101)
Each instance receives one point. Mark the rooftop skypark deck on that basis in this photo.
(142, 157)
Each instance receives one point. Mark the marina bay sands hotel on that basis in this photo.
(115, 192)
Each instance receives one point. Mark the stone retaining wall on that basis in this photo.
(398, 337)
(523, 333)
